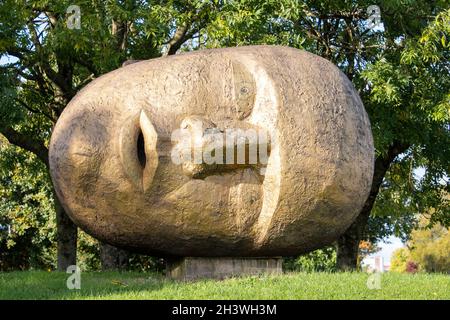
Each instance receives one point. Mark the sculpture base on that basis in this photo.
(192, 268)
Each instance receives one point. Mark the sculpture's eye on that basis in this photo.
(244, 90)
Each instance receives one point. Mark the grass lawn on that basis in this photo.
(129, 285)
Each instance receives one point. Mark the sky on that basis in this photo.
(6, 59)
(387, 248)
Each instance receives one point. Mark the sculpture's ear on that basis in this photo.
(244, 89)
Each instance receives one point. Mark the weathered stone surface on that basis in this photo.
(192, 268)
(110, 154)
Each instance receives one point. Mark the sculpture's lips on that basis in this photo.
(137, 147)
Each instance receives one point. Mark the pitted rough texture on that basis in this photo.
(110, 154)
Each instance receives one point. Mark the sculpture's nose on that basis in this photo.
(209, 150)
(137, 147)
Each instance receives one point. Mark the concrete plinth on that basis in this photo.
(192, 268)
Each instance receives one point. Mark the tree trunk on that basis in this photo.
(67, 238)
(348, 244)
(113, 258)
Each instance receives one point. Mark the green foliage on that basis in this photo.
(429, 248)
(408, 100)
(27, 216)
(8, 93)
(321, 260)
(27, 224)
(408, 91)
(88, 252)
(144, 263)
(253, 22)
(399, 260)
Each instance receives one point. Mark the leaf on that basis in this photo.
(119, 283)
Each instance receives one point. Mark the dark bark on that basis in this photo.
(178, 39)
(184, 33)
(348, 244)
(120, 29)
(113, 258)
(67, 238)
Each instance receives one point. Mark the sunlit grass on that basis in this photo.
(128, 285)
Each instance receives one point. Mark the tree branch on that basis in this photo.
(27, 107)
(27, 143)
(178, 39)
(120, 30)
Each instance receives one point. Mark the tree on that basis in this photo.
(428, 248)
(27, 221)
(366, 248)
(52, 62)
(418, 85)
(401, 71)
(399, 260)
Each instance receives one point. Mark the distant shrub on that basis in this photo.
(321, 260)
(412, 267)
(399, 260)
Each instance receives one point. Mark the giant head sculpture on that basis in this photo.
(249, 151)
